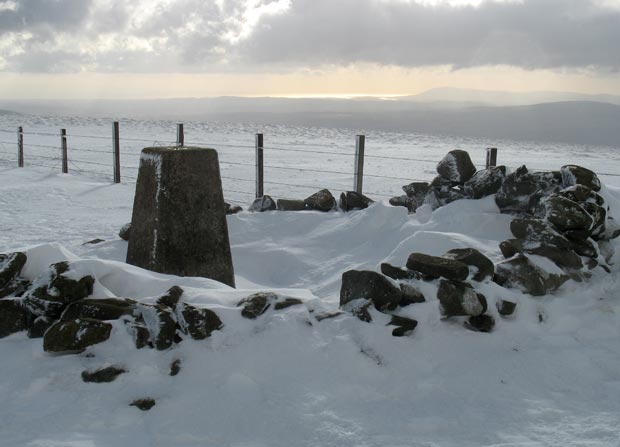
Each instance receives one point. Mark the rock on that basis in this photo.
(140, 334)
(198, 323)
(75, 335)
(13, 318)
(521, 191)
(459, 299)
(578, 193)
(39, 326)
(441, 196)
(175, 367)
(577, 175)
(436, 267)
(359, 308)
(410, 295)
(290, 205)
(519, 272)
(321, 201)
(562, 257)
(232, 209)
(352, 200)
(262, 204)
(327, 315)
(15, 288)
(10, 267)
(179, 221)
(612, 229)
(506, 308)
(287, 302)
(456, 166)
(417, 191)
(161, 324)
(398, 273)
(406, 202)
(143, 404)
(104, 375)
(52, 292)
(584, 247)
(94, 241)
(255, 305)
(369, 285)
(538, 230)
(483, 267)
(567, 215)
(485, 182)
(171, 298)
(99, 309)
(125, 232)
(510, 247)
(599, 217)
(405, 325)
(480, 323)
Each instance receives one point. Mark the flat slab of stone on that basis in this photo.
(179, 220)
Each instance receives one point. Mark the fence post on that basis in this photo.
(116, 146)
(259, 165)
(358, 173)
(20, 147)
(63, 145)
(491, 157)
(180, 135)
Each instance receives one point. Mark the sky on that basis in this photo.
(123, 49)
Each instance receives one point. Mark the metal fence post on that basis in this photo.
(259, 165)
(116, 147)
(63, 145)
(180, 135)
(20, 147)
(358, 174)
(491, 157)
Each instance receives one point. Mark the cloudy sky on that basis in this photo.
(178, 48)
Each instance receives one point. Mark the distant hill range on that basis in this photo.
(538, 116)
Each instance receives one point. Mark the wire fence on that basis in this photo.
(291, 170)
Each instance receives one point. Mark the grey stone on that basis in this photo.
(103, 375)
(406, 202)
(15, 287)
(522, 190)
(143, 404)
(352, 200)
(286, 303)
(480, 323)
(437, 267)
(13, 318)
(417, 191)
(485, 182)
(232, 209)
(599, 217)
(94, 241)
(456, 166)
(175, 367)
(398, 273)
(322, 200)
(567, 215)
(562, 257)
(256, 304)
(483, 266)
(410, 295)
(125, 232)
(179, 220)
(38, 327)
(538, 230)
(359, 308)
(520, 273)
(262, 204)
(459, 299)
(75, 335)
(578, 175)
(197, 323)
(171, 298)
(10, 267)
(405, 325)
(505, 307)
(369, 285)
(290, 205)
(99, 309)
(161, 324)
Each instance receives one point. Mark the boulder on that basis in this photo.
(417, 191)
(287, 302)
(599, 217)
(359, 308)
(10, 267)
(103, 375)
(38, 327)
(171, 298)
(140, 334)
(404, 325)
(143, 404)
(480, 323)
(577, 175)
(232, 209)
(437, 267)
(482, 266)
(410, 295)
(522, 190)
(75, 335)
(567, 215)
(578, 193)
(15, 288)
(562, 257)
(506, 308)
(398, 273)
(520, 273)
(99, 309)
(290, 205)
(485, 182)
(197, 323)
(13, 318)
(161, 324)
(404, 201)
(262, 204)
(322, 200)
(456, 166)
(369, 285)
(538, 230)
(459, 299)
(125, 232)
(255, 305)
(352, 200)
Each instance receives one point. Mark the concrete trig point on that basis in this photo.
(178, 224)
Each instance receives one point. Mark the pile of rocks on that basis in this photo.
(322, 200)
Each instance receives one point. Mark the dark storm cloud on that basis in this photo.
(199, 35)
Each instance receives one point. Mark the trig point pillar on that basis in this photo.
(178, 224)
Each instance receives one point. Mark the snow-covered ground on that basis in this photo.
(287, 379)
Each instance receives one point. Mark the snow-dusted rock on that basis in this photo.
(411, 295)
(398, 273)
(459, 299)
(505, 307)
(125, 232)
(75, 335)
(482, 266)
(404, 325)
(322, 200)
(578, 175)
(290, 205)
(99, 309)
(436, 267)
(562, 257)
(369, 285)
(103, 375)
(352, 200)
(255, 305)
(456, 166)
(520, 273)
(197, 323)
(10, 267)
(405, 201)
(480, 323)
(567, 215)
(485, 182)
(13, 318)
